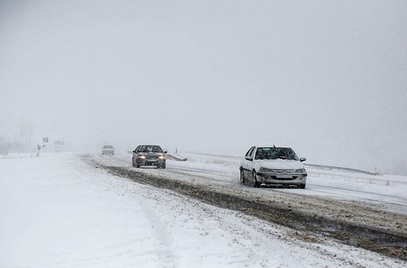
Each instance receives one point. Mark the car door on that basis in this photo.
(247, 162)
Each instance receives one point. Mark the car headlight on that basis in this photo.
(161, 157)
(141, 157)
(301, 170)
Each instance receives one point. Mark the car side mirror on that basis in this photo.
(250, 158)
(134, 151)
(165, 152)
(302, 159)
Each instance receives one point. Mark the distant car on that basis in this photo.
(270, 165)
(149, 155)
(107, 150)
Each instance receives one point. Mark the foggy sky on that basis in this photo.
(328, 78)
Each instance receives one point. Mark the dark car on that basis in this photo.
(149, 155)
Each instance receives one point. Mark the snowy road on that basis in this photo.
(385, 192)
(359, 209)
(58, 211)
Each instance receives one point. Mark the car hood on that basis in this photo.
(281, 164)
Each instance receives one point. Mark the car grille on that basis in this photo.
(284, 171)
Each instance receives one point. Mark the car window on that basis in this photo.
(157, 149)
(286, 153)
(149, 149)
(275, 153)
(259, 153)
(262, 153)
(250, 151)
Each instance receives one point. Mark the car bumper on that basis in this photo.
(149, 162)
(284, 179)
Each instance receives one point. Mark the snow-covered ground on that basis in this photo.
(58, 211)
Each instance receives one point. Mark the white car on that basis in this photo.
(107, 150)
(270, 165)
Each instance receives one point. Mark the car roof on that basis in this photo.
(257, 146)
(148, 145)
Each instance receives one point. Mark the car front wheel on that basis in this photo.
(242, 176)
(254, 179)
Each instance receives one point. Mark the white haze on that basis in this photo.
(328, 78)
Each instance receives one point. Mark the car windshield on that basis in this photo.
(275, 152)
(150, 149)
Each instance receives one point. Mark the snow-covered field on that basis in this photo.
(58, 211)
